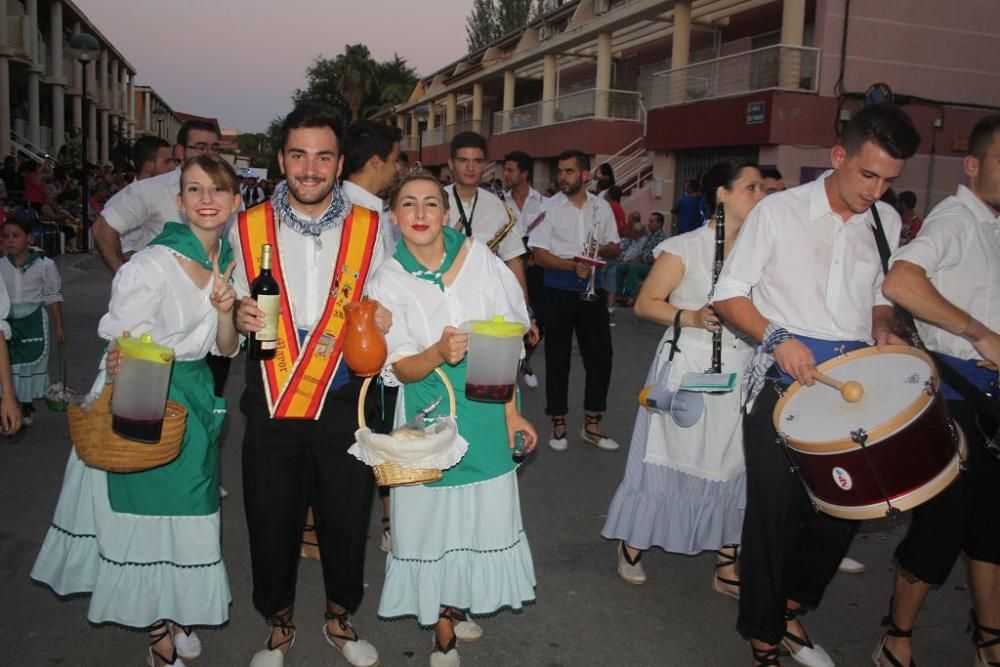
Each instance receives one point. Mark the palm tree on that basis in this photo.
(355, 71)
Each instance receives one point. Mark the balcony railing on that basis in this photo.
(444, 135)
(776, 67)
(585, 104)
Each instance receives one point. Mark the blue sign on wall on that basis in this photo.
(756, 112)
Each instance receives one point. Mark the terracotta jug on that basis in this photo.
(364, 345)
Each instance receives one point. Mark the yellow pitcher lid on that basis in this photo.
(497, 327)
(145, 349)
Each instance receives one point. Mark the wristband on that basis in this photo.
(773, 337)
(974, 331)
(531, 313)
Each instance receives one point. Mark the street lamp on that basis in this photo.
(85, 48)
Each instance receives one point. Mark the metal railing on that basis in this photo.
(585, 104)
(776, 67)
(443, 135)
(632, 166)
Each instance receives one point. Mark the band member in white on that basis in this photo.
(805, 280)
(949, 278)
(523, 199)
(576, 222)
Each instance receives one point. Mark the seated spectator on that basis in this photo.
(636, 264)
(51, 214)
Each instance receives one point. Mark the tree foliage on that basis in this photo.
(490, 20)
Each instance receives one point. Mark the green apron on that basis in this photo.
(27, 337)
(188, 485)
(482, 424)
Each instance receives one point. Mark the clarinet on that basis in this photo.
(720, 253)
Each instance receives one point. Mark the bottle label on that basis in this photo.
(271, 305)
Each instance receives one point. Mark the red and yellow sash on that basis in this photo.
(297, 378)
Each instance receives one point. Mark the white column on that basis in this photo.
(4, 102)
(451, 109)
(31, 12)
(57, 77)
(431, 115)
(34, 109)
(58, 118)
(550, 69)
(3, 33)
(509, 83)
(147, 113)
(105, 128)
(603, 84)
(793, 21)
(477, 107)
(103, 83)
(681, 53)
(114, 82)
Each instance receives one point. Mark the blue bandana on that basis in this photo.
(334, 215)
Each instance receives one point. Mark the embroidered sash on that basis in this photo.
(297, 378)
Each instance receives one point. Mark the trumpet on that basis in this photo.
(589, 257)
(494, 243)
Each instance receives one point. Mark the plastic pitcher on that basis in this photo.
(494, 352)
(139, 399)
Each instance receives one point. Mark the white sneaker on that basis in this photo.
(851, 566)
(357, 652)
(633, 574)
(188, 645)
(530, 379)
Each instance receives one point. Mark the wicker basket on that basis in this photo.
(391, 474)
(99, 446)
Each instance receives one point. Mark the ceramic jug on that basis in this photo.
(364, 345)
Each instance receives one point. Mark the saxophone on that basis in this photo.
(494, 243)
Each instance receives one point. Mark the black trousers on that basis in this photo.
(220, 372)
(789, 550)
(963, 517)
(566, 313)
(289, 464)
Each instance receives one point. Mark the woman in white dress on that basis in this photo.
(146, 545)
(458, 545)
(684, 488)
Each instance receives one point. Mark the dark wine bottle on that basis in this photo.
(262, 345)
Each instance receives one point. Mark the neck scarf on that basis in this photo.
(332, 217)
(453, 240)
(33, 256)
(182, 240)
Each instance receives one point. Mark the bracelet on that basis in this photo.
(773, 337)
(531, 313)
(974, 331)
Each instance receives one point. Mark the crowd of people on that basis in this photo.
(791, 280)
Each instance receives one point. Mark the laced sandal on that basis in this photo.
(765, 657)
(981, 643)
(465, 628)
(882, 651)
(559, 442)
(445, 656)
(724, 559)
(157, 633)
(358, 652)
(187, 643)
(272, 655)
(803, 650)
(595, 437)
(629, 568)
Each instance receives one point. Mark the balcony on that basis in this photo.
(582, 105)
(443, 135)
(792, 68)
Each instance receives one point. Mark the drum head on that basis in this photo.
(894, 384)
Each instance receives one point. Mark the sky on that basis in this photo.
(241, 61)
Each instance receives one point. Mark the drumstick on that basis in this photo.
(851, 391)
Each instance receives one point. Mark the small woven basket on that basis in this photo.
(99, 446)
(392, 474)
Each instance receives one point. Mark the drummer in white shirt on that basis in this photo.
(949, 278)
(804, 279)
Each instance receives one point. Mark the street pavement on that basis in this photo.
(584, 613)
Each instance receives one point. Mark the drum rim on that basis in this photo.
(884, 430)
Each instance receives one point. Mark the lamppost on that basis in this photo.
(85, 47)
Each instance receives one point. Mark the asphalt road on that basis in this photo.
(584, 613)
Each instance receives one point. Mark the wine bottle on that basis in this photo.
(262, 345)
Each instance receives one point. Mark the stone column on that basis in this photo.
(57, 77)
(103, 96)
(509, 84)
(550, 70)
(793, 21)
(603, 83)
(681, 53)
(105, 129)
(34, 109)
(114, 82)
(130, 92)
(450, 116)
(477, 107)
(147, 113)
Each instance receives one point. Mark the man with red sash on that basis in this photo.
(300, 407)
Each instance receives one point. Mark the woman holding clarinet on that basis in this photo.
(684, 488)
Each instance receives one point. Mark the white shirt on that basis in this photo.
(488, 217)
(565, 230)
(307, 269)
(38, 284)
(483, 288)
(358, 195)
(4, 312)
(152, 294)
(805, 268)
(527, 215)
(959, 248)
(139, 211)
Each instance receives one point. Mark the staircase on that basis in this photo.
(633, 166)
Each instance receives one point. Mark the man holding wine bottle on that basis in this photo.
(311, 251)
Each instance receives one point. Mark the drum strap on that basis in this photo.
(983, 404)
